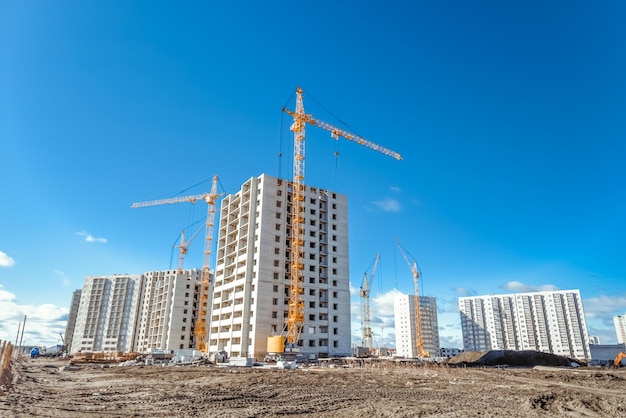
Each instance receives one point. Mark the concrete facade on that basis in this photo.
(71, 319)
(107, 313)
(167, 310)
(620, 328)
(251, 292)
(551, 322)
(406, 338)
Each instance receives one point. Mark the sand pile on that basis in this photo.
(526, 358)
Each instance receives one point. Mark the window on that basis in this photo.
(312, 211)
(334, 206)
(311, 317)
(335, 318)
(334, 248)
(312, 245)
(276, 250)
(334, 271)
(311, 304)
(311, 343)
(278, 203)
(312, 292)
(334, 227)
(311, 256)
(312, 280)
(275, 288)
(275, 276)
(335, 306)
(334, 237)
(334, 217)
(312, 222)
(312, 233)
(277, 238)
(334, 294)
(335, 344)
(184, 329)
(276, 263)
(278, 227)
(275, 301)
(311, 268)
(185, 311)
(335, 260)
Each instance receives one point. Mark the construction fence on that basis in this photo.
(6, 373)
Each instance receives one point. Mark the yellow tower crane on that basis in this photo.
(366, 342)
(416, 299)
(295, 315)
(183, 247)
(210, 198)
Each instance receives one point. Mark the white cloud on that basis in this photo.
(388, 205)
(465, 291)
(5, 260)
(43, 322)
(395, 189)
(64, 279)
(519, 287)
(90, 238)
(605, 306)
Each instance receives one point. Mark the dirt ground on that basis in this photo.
(44, 389)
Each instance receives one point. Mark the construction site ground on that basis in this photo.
(47, 387)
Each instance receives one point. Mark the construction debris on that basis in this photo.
(526, 358)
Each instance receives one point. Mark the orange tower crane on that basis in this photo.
(416, 299)
(210, 198)
(295, 315)
(366, 342)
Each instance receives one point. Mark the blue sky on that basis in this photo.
(509, 118)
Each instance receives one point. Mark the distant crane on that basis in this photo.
(183, 247)
(416, 299)
(295, 315)
(210, 198)
(366, 342)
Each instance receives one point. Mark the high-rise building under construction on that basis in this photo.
(252, 275)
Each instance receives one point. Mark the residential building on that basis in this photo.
(252, 277)
(167, 310)
(406, 334)
(71, 320)
(107, 313)
(594, 339)
(550, 321)
(620, 328)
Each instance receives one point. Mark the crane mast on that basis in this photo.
(295, 315)
(416, 300)
(366, 341)
(210, 198)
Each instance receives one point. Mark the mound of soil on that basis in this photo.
(526, 358)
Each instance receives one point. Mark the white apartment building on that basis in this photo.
(550, 321)
(620, 328)
(406, 335)
(251, 293)
(167, 310)
(107, 313)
